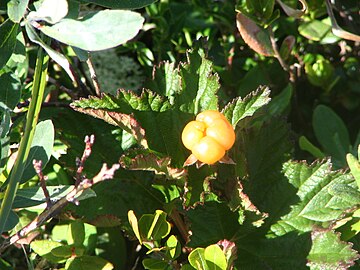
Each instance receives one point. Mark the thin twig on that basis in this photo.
(104, 174)
(93, 75)
(37, 166)
(283, 64)
(89, 141)
(54, 208)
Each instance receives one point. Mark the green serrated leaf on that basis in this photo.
(259, 154)
(166, 81)
(117, 110)
(239, 108)
(346, 192)
(316, 184)
(147, 117)
(199, 84)
(97, 30)
(329, 252)
(8, 32)
(150, 162)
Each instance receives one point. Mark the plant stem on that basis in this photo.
(283, 64)
(25, 144)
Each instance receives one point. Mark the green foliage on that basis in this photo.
(287, 72)
(211, 257)
(9, 31)
(330, 252)
(332, 134)
(319, 200)
(88, 33)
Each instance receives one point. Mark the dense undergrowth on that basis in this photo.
(128, 76)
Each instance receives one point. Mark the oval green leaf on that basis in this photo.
(154, 227)
(97, 30)
(215, 258)
(256, 37)
(76, 233)
(197, 259)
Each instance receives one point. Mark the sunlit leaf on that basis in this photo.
(329, 252)
(98, 30)
(318, 200)
(50, 11)
(17, 9)
(256, 37)
(239, 108)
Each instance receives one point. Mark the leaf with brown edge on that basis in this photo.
(296, 13)
(256, 37)
(247, 205)
(124, 121)
(239, 108)
(336, 29)
(150, 162)
(286, 47)
(329, 252)
(229, 186)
